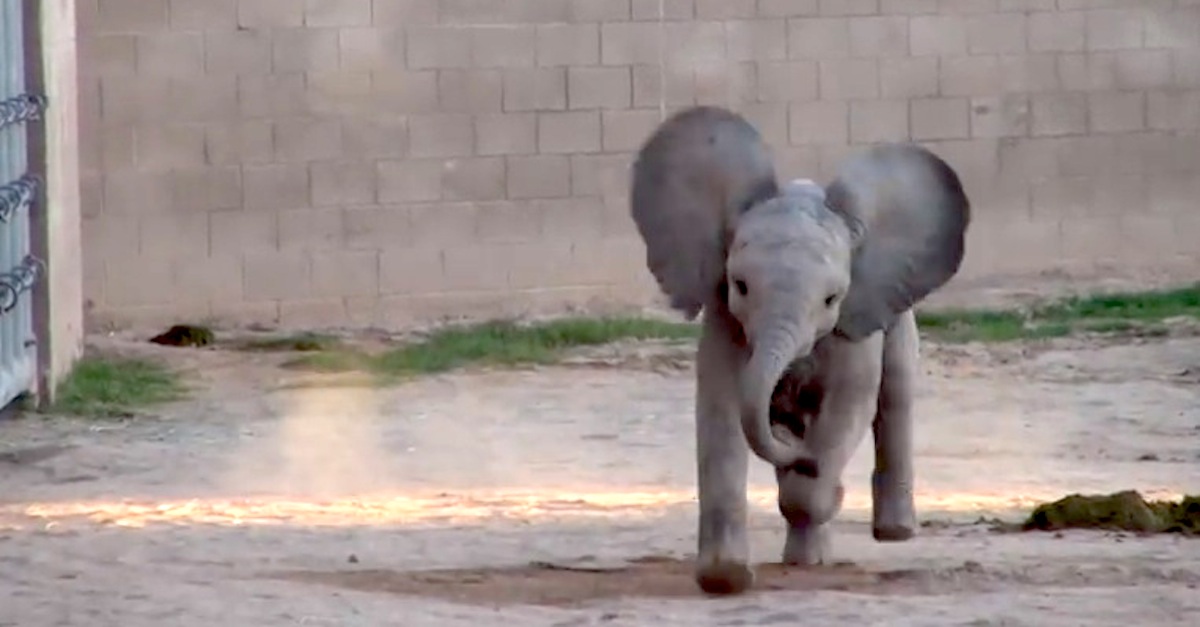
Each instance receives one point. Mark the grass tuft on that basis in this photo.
(1125, 312)
(107, 387)
(496, 343)
(299, 342)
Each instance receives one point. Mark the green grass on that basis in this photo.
(497, 343)
(1126, 312)
(106, 387)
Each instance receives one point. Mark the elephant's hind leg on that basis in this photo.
(894, 514)
(722, 455)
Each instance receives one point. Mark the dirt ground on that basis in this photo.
(565, 496)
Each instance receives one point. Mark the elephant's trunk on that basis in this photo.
(771, 357)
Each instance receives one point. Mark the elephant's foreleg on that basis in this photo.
(722, 455)
(893, 513)
(850, 379)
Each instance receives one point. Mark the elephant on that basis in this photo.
(808, 335)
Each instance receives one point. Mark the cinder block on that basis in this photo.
(167, 235)
(770, 118)
(479, 267)
(404, 12)
(376, 227)
(340, 183)
(271, 96)
(600, 175)
(1056, 31)
(787, 8)
(1173, 193)
(879, 121)
(756, 40)
(340, 93)
(1000, 116)
(1059, 114)
(232, 233)
(441, 135)
(506, 222)
(434, 47)
(195, 15)
(270, 13)
(1031, 73)
(109, 55)
(908, 7)
(477, 178)
(976, 160)
(667, 9)
(1026, 5)
(170, 54)
(1122, 194)
(1174, 110)
(411, 180)
(1062, 197)
(818, 38)
(1178, 29)
(797, 161)
(375, 137)
(629, 43)
(568, 132)
(503, 46)
(725, 84)
(1147, 239)
(937, 35)
(506, 134)
(470, 91)
(308, 313)
(307, 139)
(237, 52)
(204, 99)
(311, 229)
(538, 266)
(1028, 159)
(1114, 29)
(405, 92)
(1152, 153)
(848, 7)
(690, 44)
(940, 118)
(1001, 200)
(1087, 155)
(568, 44)
(908, 77)
(572, 219)
(879, 37)
(247, 141)
(598, 11)
(164, 147)
(443, 224)
(372, 48)
(136, 191)
(242, 313)
(627, 130)
(970, 76)
(998, 33)
(199, 279)
(1091, 241)
(544, 176)
(725, 9)
(648, 88)
(410, 270)
(1117, 112)
(134, 282)
(599, 87)
(820, 122)
(278, 186)
(337, 13)
(849, 79)
(538, 89)
(345, 273)
(130, 16)
(116, 148)
(207, 188)
(1133, 69)
(305, 50)
(282, 275)
(134, 100)
(787, 81)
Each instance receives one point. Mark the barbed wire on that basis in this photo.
(23, 108)
(18, 281)
(17, 194)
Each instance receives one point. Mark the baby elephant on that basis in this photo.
(808, 332)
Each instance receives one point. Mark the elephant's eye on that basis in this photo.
(830, 300)
(741, 287)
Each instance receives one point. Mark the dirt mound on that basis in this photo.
(574, 584)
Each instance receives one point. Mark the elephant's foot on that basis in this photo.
(724, 576)
(807, 545)
(894, 517)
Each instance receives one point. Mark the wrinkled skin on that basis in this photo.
(809, 339)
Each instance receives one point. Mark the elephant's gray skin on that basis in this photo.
(807, 295)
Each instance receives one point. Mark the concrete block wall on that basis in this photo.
(384, 162)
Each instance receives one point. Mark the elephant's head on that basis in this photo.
(792, 264)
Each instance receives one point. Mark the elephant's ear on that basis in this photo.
(908, 213)
(696, 173)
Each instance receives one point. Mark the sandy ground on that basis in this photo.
(564, 496)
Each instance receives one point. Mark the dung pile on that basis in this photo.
(1120, 511)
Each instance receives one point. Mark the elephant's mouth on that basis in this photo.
(795, 401)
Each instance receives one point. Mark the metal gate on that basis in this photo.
(19, 269)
